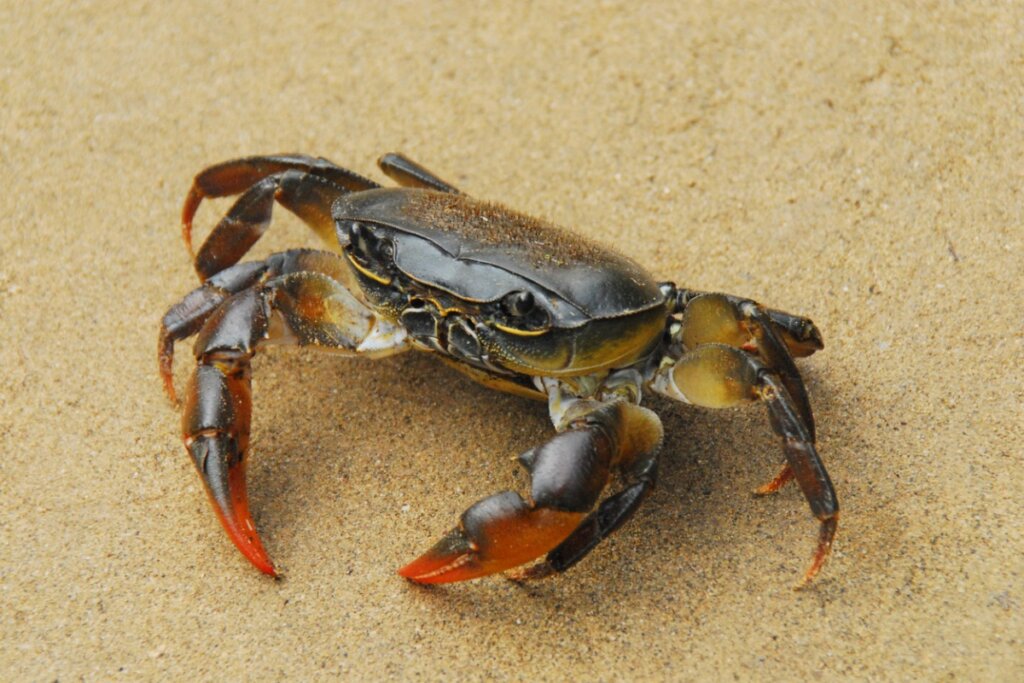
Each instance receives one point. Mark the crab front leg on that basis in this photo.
(720, 376)
(568, 474)
(776, 337)
(293, 306)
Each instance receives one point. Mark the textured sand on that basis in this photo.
(862, 165)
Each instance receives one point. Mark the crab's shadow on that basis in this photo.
(404, 428)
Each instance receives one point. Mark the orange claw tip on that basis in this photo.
(428, 569)
(452, 559)
(245, 539)
(237, 521)
(224, 478)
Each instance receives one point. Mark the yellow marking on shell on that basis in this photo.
(440, 308)
(520, 333)
(366, 271)
(436, 287)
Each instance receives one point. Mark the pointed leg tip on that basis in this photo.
(775, 485)
(172, 395)
(165, 363)
(826, 535)
(811, 573)
(192, 202)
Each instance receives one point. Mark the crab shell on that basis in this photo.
(592, 309)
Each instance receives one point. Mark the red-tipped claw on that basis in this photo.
(497, 533)
(453, 558)
(223, 474)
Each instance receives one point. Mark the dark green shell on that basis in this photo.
(480, 251)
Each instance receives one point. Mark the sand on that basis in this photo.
(860, 164)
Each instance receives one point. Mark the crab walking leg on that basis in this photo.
(188, 316)
(306, 186)
(784, 476)
(408, 173)
(568, 474)
(302, 308)
(774, 336)
(746, 325)
(719, 376)
(801, 336)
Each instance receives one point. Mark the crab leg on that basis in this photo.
(187, 317)
(801, 336)
(301, 307)
(408, 173)
(568, 474)
(774, 336)
(307, 186)
(748, 326)
(715, 375)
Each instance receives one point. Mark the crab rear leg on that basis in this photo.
(568, 474)
(306, 186)
(300, 307)
(408, 173)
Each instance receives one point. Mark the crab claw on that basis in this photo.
(453, 558)
(495, 534)
(215, 427)
(223, 473)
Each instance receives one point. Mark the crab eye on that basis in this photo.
(519, 304)
(357, 239)
(522, 315)
(371, 255)
(368, 246)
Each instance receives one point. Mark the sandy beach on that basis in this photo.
(859, 164)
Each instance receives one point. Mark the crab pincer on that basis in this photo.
(216, 418)
(568, 474)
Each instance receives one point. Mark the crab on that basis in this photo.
(513, 302)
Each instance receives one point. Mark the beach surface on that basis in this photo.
(860, 164)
